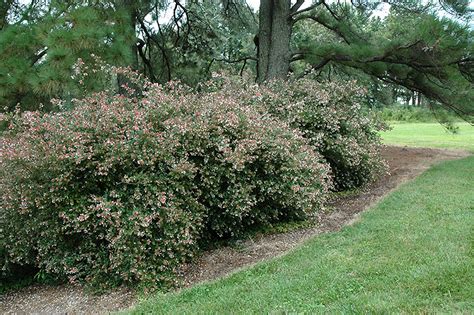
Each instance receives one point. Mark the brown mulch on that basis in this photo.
(404, 164)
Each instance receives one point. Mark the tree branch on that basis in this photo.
(320, 21)
(334, 15)
(160, 46)
(146, 61)
(430, 89)
(311, 7)
(37, 57)
(237, 60)
(296, 6)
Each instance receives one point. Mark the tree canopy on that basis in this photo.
(424, 47)
(413, 47)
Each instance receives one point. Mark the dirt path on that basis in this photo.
(404, 163)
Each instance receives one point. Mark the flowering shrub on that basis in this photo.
(330, 116)
(121, 189)
(254, 169)
(97, 194)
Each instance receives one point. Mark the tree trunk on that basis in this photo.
(4, 8)
(273, 41)
(394, 95)
(129, 6)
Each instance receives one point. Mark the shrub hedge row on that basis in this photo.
(123, 188)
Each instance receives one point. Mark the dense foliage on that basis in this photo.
(121, 189)
(331, 116)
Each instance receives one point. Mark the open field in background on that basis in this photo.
(431, 135)
(411, 253)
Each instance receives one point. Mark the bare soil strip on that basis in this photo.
(404, 163)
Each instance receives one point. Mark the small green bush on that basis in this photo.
(122, 189)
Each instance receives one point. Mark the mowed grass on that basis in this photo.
(413, 252)
(431, 135)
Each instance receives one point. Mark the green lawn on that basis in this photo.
(413, 252)
(430, 135)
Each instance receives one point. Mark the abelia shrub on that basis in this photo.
(97, 194)
(121, 189)
(331, 116)
(253, 168)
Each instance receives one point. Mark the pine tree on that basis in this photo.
(414, 47)
(45, 39)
